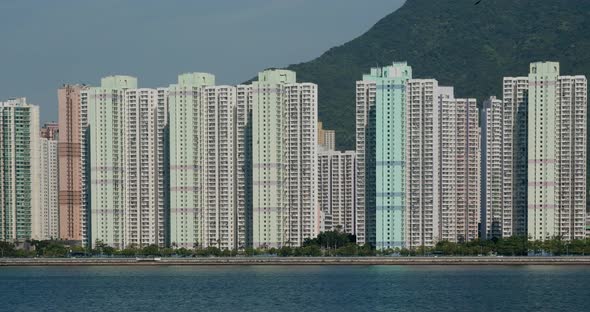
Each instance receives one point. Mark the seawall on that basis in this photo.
(297, 261)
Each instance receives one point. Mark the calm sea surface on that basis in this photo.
(296, 288)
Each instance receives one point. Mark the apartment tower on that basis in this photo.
(220, 214)
(186, 158)
(336, 190)
(326, 138)
(381, 140)
(284, 159)
(459, 169)
(422, 160)
(143, 141)
(556, 153)
(49, 182)
(73, 122)
(106, 140)
(443, 173)
(19, 171)
(504, 123)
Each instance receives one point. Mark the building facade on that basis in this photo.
(243, 174)
(443, 172)
(143, 141)
(284, 159)
(496, 213)
(20, 191)
(49, 188)
(365, 156)
(504, 209)
(220, 212)
(186, 111)
(556, 153)
(336, 190)
(326, 138)
(422, 159)
(106, 140)
(381, 137)
(72, 123)
(460, 171)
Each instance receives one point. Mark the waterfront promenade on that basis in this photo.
(573, 260)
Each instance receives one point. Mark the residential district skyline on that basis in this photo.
(196, 164)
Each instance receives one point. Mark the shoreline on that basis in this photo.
(566, 260)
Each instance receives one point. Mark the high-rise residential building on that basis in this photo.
(49, 205)
(504, 122)
(556, 153)
(105, 143)
(380, 142)
(572, 143)
(49, 130)
(19, 171)
(422, 161)
(143, 141)
(73, 122)
(514, 151)
(326, 138)
(219, 218)
(336, 190)
(209, 161)
(459, 167)
(243, 175)
(443, 173)
(284, 159)
(496, 215)
(186, 116)
(127, 162)
(365, 155)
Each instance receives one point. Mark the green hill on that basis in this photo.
(470, 47)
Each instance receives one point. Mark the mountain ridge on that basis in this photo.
(471, 47)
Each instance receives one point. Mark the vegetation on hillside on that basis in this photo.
(468, 46)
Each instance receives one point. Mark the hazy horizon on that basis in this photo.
(47, 44)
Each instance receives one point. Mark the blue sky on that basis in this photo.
(44, 44)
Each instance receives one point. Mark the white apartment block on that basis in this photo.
(106, 141)
(326, 138)
(365, 151)
(514, 161)
(143, 139)
(284, 157)
(336, 190)
(243, 174)
(219, 163)
(571, 142)
(497, 208)
(442, 165)
(85, 170)
(459, 169)
(49, 189)
(556, 153)
(210, 155)
(422, 217)
(505, 187)
(186, 111)
(301, 143)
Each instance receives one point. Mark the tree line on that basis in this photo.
(327, 244)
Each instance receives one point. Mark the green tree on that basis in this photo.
(151, 250)
(7, 249)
